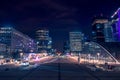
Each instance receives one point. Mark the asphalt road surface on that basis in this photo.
(59, 69)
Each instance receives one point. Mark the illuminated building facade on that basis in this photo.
(98, 29)
(44, 41)
(116, 25)
(108, 32)
(76, 39)
(16, 41)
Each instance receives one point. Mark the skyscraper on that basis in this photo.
(116, 25)
(76, 39)
(108, 32)
(44, 41)
(98, 28)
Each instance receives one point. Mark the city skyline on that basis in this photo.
(60, 39)
(59, 16)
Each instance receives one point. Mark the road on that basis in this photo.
(59, 69)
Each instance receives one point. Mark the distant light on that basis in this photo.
(37, 58)
(98, 27)
(112, 16)
(37, 42)
(49, 42)
(115, 13)
(93, 32)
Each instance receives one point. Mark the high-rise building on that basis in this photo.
(98, 29)
(44, 41)
(76, 39)
(16, 41)
(108, 32)
(116, 25)
(66, 47)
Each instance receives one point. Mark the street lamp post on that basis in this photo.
(21, 55)
(89, 58)
(98, 55)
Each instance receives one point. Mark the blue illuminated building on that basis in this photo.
(16, 41)
(108, 32)
(98, 26)
(119, 21)
(116, 25)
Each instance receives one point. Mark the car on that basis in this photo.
(24, 64)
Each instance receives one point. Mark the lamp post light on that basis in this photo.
(98, 55)
(21, 55)
(89, 58)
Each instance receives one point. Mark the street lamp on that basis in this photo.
(98, 55)
(21, 55)
(89, 57)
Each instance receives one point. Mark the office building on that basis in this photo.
(16, 41)
(76, 39)
(98, 28)
(66, 47)
(116, 25)
(44, 41)
(108, 32)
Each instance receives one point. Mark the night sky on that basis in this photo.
(59, 16)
